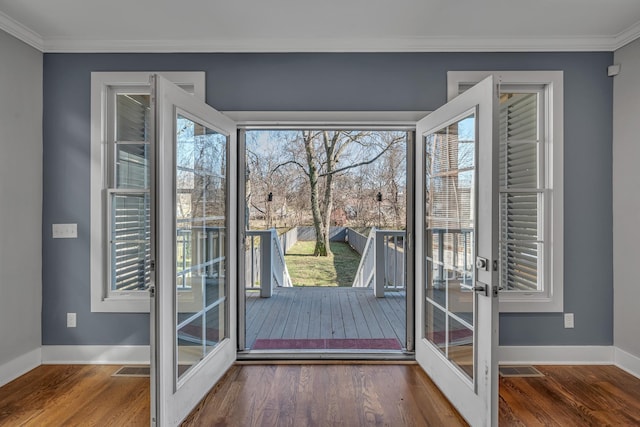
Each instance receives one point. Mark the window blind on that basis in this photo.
(520, 195)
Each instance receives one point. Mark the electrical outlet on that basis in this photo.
(568, 320)
(71, 320)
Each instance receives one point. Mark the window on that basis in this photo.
(120, 184)
(530, 186)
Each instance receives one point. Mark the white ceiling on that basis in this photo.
(321, 25)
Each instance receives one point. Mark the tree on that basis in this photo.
(324, 155)
(264, 178)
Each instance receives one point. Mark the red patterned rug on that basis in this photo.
(328, 344)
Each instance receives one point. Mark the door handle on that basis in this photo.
(481, 288)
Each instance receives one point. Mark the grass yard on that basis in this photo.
(339, 269)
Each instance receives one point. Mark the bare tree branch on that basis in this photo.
(257, 208)
(291, 162)
(366, 162)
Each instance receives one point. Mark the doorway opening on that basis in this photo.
(325, 257)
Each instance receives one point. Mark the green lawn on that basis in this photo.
(339, 269)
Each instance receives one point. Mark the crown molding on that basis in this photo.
(413, 44)
(21, 32)
(627, 36)
(264, 45)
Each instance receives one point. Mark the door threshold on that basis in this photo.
(327, 356)
(323, 362)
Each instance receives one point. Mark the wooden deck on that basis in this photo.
(325, 313)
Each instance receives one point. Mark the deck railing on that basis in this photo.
(265, 263)
(366, 269)
(452, 255)
(382, 265)
(200, 253)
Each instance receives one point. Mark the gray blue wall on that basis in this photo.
(20, 205)
(626, 199)
(370, 81)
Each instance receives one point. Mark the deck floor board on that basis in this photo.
(325, 312)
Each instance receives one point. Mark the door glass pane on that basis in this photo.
(435, 326)
(460, 345)
(450, 161)
(201, 221)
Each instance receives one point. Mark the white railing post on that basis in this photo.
(266, 260)
(380, 264)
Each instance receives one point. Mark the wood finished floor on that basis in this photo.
(75, 395)
(325, 312)
(320, 395)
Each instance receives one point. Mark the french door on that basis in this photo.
(193, 304)
(457, 251)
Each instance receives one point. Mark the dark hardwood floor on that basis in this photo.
(571, 396)
(327, 394)
(75, 395)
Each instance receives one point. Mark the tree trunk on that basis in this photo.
(327, 203)
(321, 248)
(327, 208)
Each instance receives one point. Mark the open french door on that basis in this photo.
(457, 251)
(193, 305)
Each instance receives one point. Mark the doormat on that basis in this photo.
(328, 344)
(519, 371)
(132, 371)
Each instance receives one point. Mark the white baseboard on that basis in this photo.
(95, 354)
(19, 366)
(627, 361)
(556, 355)
(140, 354)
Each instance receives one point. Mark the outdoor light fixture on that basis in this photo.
(269, 200)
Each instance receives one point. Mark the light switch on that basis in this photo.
(65, 231)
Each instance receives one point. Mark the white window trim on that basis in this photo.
(101, 300)
(551, 300)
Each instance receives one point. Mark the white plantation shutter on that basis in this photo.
(132, 119)
(521, 192)
(130, 236)
(129, 207)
